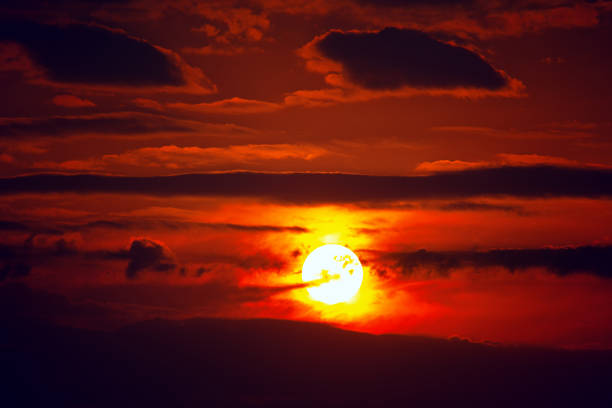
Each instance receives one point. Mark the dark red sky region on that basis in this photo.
(180, 159)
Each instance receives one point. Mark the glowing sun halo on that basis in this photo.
(335, 272)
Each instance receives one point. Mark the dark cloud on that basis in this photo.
(394, 58)
(132, 224)
(177, 225)
(124, 123)
(475, 206)
(150, 255)
(17, 227)
(64, 247)
(201, 271)
(538, 181)
(143, 254)
(594, 260)
(99, 224)
(87, 54)
(18, 260)
(253, 228)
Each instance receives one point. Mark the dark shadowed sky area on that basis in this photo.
(179, 160)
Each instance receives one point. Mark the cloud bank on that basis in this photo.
(305, 188)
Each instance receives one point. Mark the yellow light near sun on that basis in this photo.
(335, 273)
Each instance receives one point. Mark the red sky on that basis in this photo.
(469, 143)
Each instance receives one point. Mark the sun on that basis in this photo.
(335, 273)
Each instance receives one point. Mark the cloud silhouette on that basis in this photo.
(95, 55)
(476, 206)
(16, 261)
(118, 123)
(147, 254)
(89, 54)
(128, 224)
(593, 260)
(395, 58)
(6, 225)
(307, 188)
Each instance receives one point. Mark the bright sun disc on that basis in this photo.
(335, 272)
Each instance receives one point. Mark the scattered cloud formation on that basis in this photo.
(483, 19)
(17, 260)
(230, 30)
(365, 65)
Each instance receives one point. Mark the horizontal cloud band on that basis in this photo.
(595, 260)
(534, 181)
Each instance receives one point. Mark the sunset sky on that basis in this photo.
(179, 159)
